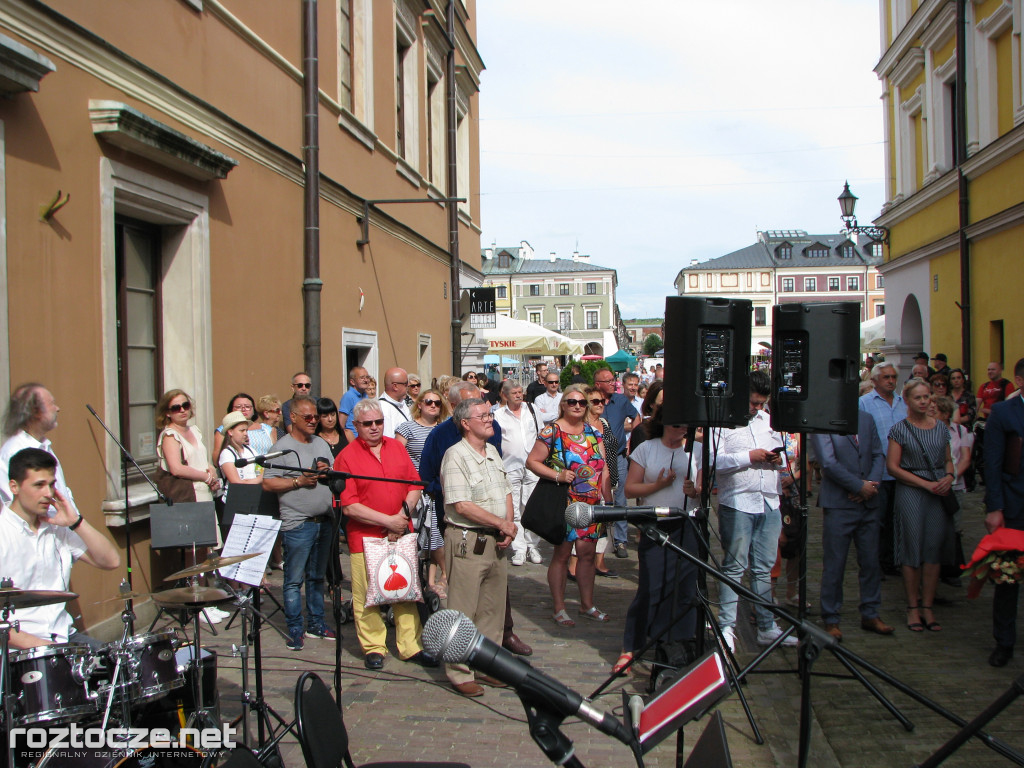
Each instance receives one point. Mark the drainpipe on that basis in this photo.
(311, 282)
(453, 184)
(964, 199)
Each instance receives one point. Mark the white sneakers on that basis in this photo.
(770, 635)
(518, 558)
(215, 615)
(729, 635)
(534, 555)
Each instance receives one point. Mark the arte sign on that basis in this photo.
(482, 308)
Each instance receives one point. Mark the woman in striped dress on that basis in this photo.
(920, 461)
(429, 410)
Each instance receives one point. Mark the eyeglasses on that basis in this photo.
(186, 406)
(309, 418)
(552, 381)
(432, 402)
(273, 410)
(403, 383)
(572, 401)
(603, 381)
(597, 401)
(415, 384)
(485, 418)
(371, 423)
(302, 385)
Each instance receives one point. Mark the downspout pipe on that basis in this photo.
(312, 285)
(453, 189)
(962, 185)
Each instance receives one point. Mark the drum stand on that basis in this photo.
(6, 699)
(121, 670)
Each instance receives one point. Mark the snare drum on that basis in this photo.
(154, 668)
(147, 757)
(51, 684)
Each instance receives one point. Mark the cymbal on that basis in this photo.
(210, 564)
(32, 598)
(192, 596)
(125, 596)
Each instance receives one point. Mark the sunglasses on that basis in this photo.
(415, 384)
(309, 418)
(552, 381)
(432, 402)
(597, 401)
(571, 401)
(371, 423)
(307, 385)
(273, 410)
(186, 406)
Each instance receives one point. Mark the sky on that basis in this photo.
(653, 133)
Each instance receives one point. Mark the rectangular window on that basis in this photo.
(564, 320)
(833, 283)
(563, 289)
(401, 51)
(879, 281)
(760, 316)
(591, 319)
(137, 255)
(535, 318)
(853, 283)
(788, 285)
(879, 310)
(535, 290)
(501, 292)
(591, 289)
(810, 283)
(345, 54)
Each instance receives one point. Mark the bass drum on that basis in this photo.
(146, 757)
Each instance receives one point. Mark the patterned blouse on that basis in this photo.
(581, 454)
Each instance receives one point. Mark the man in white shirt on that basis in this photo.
(38, 546)
(396, 384)
(31, 414)
(519, 428)
(546, 404)
(747, 465)
(630, 387)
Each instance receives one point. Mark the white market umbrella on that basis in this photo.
(519, 337)
(872, 334)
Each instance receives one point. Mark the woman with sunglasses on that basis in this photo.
(470, 376)
(414, 390)
(180, 447)
(571, 451)
(429, 410)
(242, 403)
(596, 419)
(327, 428)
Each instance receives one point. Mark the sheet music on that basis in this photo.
(248, 534)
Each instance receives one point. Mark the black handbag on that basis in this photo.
(545, 510)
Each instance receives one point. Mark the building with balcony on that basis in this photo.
(955, 179)
(571, 296)
(786, 266)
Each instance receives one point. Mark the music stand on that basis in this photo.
(186, 525)
(249, 499)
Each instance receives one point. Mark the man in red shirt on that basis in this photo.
(993, 391)
(378, 509)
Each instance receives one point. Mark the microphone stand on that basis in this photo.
(129, 612)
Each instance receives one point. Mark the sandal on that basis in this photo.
(595, 614)
(562, 619)
(931, 626)
(916, 626)
(440, 590)
(622, 662)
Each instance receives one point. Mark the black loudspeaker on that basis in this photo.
(712, 748)
(815, 367)
(707, 361)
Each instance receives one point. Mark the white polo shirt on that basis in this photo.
(40, 559)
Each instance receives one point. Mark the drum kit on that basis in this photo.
(55, 685)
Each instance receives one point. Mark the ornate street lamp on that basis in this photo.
(847, 202)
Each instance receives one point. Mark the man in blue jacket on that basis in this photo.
(851, 469)
(1004, 502)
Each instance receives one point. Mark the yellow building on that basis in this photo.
(935, 238)
(152, 228)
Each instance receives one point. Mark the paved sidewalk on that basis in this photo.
(406, 712)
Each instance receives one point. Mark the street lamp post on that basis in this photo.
(847, 203)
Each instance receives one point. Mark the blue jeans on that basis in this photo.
(306, 550)
(620, 529)
(752, 539)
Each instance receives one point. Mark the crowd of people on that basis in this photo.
(462, 457)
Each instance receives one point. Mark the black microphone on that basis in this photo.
(260, 459)
(452, 637)
(580, 515)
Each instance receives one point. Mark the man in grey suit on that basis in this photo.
(851, 467)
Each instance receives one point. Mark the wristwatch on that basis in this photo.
(77, 522)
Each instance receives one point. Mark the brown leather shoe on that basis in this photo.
(833, 629)
(517, 646)
(876, 625)
(470, 690)
(493, 682)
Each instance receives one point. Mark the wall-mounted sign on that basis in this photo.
(482, 308)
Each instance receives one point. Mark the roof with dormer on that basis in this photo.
(805, 250)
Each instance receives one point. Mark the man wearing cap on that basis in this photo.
(921, 358)
(941, 364)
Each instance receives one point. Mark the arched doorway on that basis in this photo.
(911, 332)
(593, 348)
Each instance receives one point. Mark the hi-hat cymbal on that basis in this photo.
(32, 598)
(192, 596)
(125, 596)
(210, 564)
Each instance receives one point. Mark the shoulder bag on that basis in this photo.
(950, 504)
(545, 510)
(177, 489)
